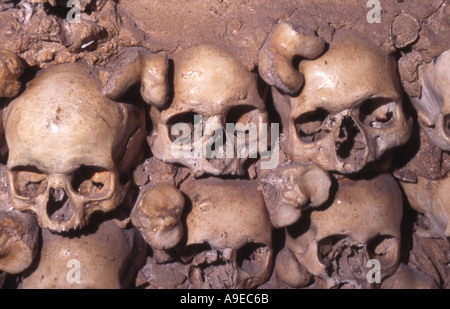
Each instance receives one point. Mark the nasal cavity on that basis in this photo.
(350, 144)
(58, 206)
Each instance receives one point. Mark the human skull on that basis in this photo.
(212, 84)
(362, 223)
(433, 107)
(107, 257)
(229, 235)
(69, 147)
(349, 111)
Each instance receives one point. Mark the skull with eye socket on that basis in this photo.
(70, 147)
(211, 89)
(229, 235)
(335, 243)
(348, 111)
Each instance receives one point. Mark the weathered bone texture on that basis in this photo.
(211, 83)
(433, 106)
(291, 188)
(335, 243)
(82, 33)
(168, 275)
(107, 257)
(421, 158)
(349, 111)
(229, 235)
(19, 234)
(11, 68)
(425, 175)
(334, 92)
(431, 252)
(157, 215)
(406, 278)
(431, 197)
(276, 56)
(154, 171)
(69, 147)
(51, 2)
(135, 65)
(425, 181)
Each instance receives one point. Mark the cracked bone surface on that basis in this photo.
(335, 243)
(18, 240)
(425, 177)
(11, 68)
(334, 94)
(425, 181)
(433, 107)
(157, 215)
(349, 111)
(19, 233)
(229, 235)
(290, 188)
(210, 83)
(106, 257)
(69, 147)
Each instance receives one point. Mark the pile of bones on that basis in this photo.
(125, 175)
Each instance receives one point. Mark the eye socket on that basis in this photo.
(92, 181)
(244, 119)
(190, 251)
(314, 126)
(326, 247)
(377, 113)
(241, 114)
(381, 247)
(251, 257)
(180, 123)
(29, 181)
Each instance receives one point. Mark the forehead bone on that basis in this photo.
(352, 70)
(207, 78)
(226, 213)
(62, 116)
(362, 209)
